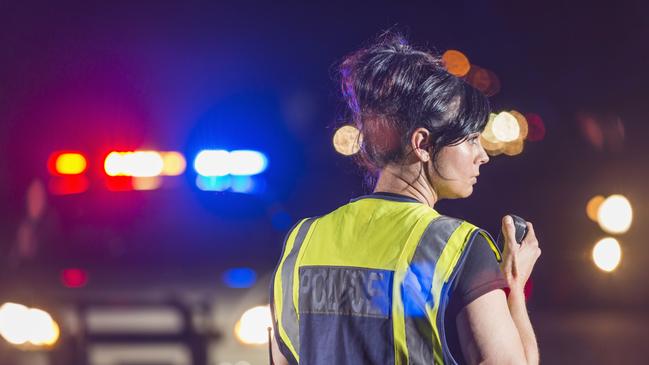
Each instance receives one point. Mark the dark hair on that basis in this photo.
(392, 89)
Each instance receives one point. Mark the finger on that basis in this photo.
(509, 232)
(530, 238)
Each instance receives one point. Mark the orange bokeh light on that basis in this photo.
(456, 63)
(484, 80)
(593, 206)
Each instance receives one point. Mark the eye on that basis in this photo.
(473, 139)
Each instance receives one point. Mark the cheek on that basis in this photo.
(457, 163)
(459, 189)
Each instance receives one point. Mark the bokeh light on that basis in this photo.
(36, 200)
(44, 330)
(591, 130)
(505, 132)
(240, 277)
(456, 63)
(493, 149)
(137, 163)
(242, 184)
(488, 133)
(484, 80)
(13, 320)
(67, 163)
(602, 130)
(147, 183)
(615, 214)
(489, 141)
(212, 163)
(246, 162)
(173, 163)
(593, 207)
(213, 183)
(536, 127)
(74, 278)
(66, 185)
(119, 183)
(252, 328)
(607, 254)
(20, 324)
(505, 127)
(522, 124)
(347, 140)
(514, 148)
(222, 162)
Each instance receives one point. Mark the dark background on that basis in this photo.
(190, 75)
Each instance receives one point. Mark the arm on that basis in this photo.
(495, 329)
(278, 358)
(518, 310)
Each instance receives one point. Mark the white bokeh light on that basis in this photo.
(615, 214)
(44, 331)
(245, 162)
(607, 254)
(13, 320)
(212, 163)
(138, 163)
(252, 328)
(20, 324)
(505, 127)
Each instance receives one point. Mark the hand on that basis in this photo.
(518, 260)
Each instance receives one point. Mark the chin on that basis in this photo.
(460, 194)
(465, 193)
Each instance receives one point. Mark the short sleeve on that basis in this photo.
(479, 275)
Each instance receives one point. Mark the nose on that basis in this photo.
(483, 157)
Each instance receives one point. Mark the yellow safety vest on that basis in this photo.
(368, 283)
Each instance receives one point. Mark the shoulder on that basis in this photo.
(460, 234)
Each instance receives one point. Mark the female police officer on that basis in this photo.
(386, 279)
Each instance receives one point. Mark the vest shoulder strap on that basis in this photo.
(284, 292)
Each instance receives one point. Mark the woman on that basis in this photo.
(386, 279)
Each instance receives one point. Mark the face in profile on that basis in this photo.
(458, 167)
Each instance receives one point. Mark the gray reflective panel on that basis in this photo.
(352, 291)
(289, 316)
(417, 285)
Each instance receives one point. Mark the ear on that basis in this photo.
(420, 142)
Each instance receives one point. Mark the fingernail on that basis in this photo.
(509, 220)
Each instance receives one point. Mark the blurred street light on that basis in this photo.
(347, 140)
(252, 328)
(607, 254)
(20, 325)
(615, 214)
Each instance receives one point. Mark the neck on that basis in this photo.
(409, 181)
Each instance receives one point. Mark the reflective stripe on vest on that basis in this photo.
(284, 303)
(410, 240)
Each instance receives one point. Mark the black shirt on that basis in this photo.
(479, 275)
